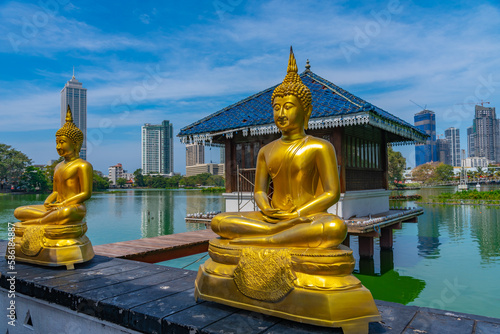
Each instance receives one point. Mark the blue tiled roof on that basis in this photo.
(327, 100)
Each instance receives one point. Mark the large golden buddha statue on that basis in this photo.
(287, 259)
(53, 233)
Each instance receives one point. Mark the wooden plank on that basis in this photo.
(189, 320)
(118, 307)
(159, 249)
(244, 321)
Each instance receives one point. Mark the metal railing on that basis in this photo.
(245, 183)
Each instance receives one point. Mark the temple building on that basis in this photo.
(359, 131)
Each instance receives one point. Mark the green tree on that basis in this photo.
(397, 164)
(173, 182)
(121, 182)
(139, 178)
(424, 173)
(12, 164)
(443, 173)
(480, 171)
(34, 179)
(99, 182)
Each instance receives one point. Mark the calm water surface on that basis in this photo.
(450, 259)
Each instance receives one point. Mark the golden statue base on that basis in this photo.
(313, 286)
(48, 246)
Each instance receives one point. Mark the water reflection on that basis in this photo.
(157, 213)
(428, 234)
(485, 231)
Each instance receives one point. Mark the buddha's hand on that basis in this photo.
(53, 206)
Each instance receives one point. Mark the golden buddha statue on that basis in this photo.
(287, 259)
(53, 234)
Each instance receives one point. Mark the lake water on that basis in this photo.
(450, 259)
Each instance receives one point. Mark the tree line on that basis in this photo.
(18, 173)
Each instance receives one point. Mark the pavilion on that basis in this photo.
(359, 131)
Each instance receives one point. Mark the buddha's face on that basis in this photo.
(65, 146)
(289, 114)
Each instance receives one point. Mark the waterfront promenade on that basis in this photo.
(114, 295)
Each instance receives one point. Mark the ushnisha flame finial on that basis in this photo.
(293, 85)
(69, 116)
(70, 130)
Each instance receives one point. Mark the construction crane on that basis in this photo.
(418, 105)
(476, 103)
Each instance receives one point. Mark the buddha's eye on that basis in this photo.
(276, 107)
(288, 106)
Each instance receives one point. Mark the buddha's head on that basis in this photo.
(291, 99)
(69, 138)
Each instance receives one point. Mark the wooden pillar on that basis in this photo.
(338, 140)
(230, 165)
(386, 238)
(366, 247)
(347, 241)
(384, 159)
(253, 163)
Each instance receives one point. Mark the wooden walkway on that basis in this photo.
(168, 247)
(151, 298)
(158, 249)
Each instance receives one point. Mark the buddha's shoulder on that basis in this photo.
(318, 141)
(84, 164)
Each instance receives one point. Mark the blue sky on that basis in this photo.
(146, 61)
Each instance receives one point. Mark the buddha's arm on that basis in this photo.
(261, 184)
(52, 197)
(326, 162)
(84, 175)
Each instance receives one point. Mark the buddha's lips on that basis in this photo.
(282, 119)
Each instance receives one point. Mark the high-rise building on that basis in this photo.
(157, 148)
(425, 120)
(74, 95)
(195, 154)
(453, 137)
(486, 134)
(471, 141)
(443, 151)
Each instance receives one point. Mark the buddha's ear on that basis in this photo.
(307, 116)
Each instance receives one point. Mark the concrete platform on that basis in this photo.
(130, 297)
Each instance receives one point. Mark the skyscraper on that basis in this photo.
(486, 134)
(195, 154)
(443, 151)
(425, 120)
(157, 148)
(471, 142)
(74, 95)
(453, 137)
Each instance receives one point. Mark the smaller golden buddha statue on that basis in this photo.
(287, 259)
(53, 233)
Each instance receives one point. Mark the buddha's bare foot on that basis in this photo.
(31, 222)
(251, 241)
(269, 240)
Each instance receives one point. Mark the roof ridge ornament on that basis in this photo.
(308, 66)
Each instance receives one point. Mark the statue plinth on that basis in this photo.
(52, 245)
(313, 286)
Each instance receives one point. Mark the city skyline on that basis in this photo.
(148, 62)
